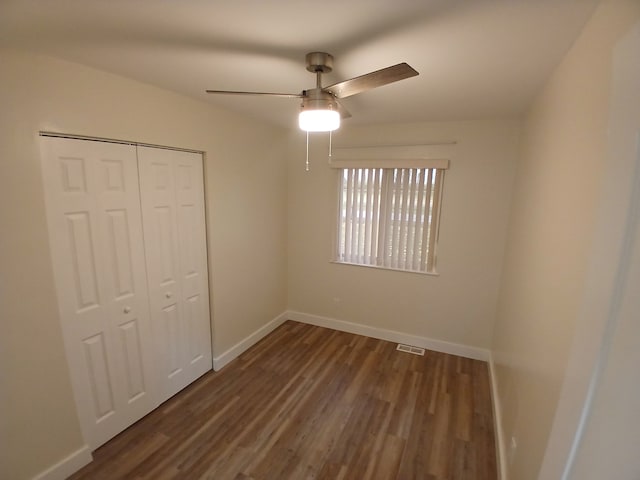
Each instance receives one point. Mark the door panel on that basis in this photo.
(172, 196)
(95, 233)
(99, 376)
(83, 259)
(165, 236)
(120, 252)
(131, 352)
(172, 338)
(112, 174)
(193, 312)
(193, 259)
(73, 174)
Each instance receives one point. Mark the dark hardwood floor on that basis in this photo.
(309, 402)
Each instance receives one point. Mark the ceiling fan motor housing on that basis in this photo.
(318, 99)
(319, 62)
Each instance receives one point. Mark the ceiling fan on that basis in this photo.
(320, 110)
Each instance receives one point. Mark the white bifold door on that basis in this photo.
(130, 273)
(174, 229)
(95, 227)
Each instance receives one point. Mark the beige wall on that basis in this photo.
(458, 305)
(259, 194)
(245, 174)
(556, 192)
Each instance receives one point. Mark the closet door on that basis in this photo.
(95, 230)
(172, 194)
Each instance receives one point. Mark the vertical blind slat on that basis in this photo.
(354, 218)
(362, 212)
(402, 193)
(417, 236)
(368, 218)
(355, 234)
(402, 217)
(348, 218)
(406, 218)
(375, 227)
(385, 210)
(413, 219)
(435, 212)
(341, 201)
(395, 236)
(412, 245)
(425, 224)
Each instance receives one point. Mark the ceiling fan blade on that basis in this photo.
(344, 113)
(371, 80)
(264, 94)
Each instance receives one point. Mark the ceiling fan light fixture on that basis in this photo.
(319, 120)
(321, 110)
(318, 111)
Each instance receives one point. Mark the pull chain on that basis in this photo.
(306, 165)
(306, 169)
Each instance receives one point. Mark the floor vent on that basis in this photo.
(410, 349)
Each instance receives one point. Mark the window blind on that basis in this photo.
(388, 217)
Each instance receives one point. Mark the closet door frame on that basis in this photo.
(197, 350)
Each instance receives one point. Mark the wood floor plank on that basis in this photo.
(309, 402)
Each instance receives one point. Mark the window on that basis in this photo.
(388, 217)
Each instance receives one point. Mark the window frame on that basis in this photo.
(440, 166)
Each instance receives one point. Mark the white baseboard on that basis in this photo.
(501, 450)
(67, 466)
(243, 345)
(392, 336)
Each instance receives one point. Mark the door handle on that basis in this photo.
(168, 295)
(126, 309)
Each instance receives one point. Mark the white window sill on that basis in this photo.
(431, 274)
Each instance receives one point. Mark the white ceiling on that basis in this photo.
(476, 58)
